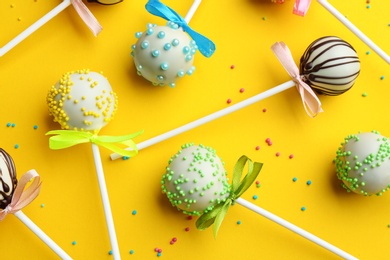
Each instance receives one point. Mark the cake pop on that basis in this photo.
(82, 102)
(14, 196)
(363, 165)
(195, 182)
(163, 54)
(330, 66)
(310, 101)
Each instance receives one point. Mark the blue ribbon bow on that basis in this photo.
(155, 7)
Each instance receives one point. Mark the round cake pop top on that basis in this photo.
(330, 66)
(363, 163)
(164, 54)
(8, 179)
(195, 180)
(82, 100)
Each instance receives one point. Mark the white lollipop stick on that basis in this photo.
(192, 11)
(295, 229)
(37, 231)
(355, 30)
(35, 26)
(106, 202)
(213, 116)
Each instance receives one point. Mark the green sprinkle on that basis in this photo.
(364, 94)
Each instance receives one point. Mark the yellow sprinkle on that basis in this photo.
(89, 79)
(83, 97)
(19, 19)
(76, 101)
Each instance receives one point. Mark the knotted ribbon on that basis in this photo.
(155, 7)
(87, 16)
(301, 7)
(67, 138)
(22, 197)
(310, 100)
(238, 187)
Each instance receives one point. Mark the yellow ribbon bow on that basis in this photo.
(66, 138)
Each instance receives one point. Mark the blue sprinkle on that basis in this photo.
(255, 197)
(134, 212)
(131, 252)
(8, 124)
(42, 205)
(16, 146)
(110, 252)
(308, 182)
(294, 179)
(35, 127)
(303, 208)
(238, 222)
(13, 124)
(158, 254)
(126, 157)
(368, 6)
(367, 52)
(382, 77)
(74, 243)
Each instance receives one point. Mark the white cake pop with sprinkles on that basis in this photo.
(164, 54)
(363, 163)
(195, 180)
(82, 100)
(330, 66)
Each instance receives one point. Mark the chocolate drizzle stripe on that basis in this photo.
(8, 189)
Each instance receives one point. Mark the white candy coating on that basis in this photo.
(164, 54)
(82, 100)
(330, 66)
(195, 180)
(8, 179)
(363, 163)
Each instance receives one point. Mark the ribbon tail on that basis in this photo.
(220, 216)
(301, 7)
(205, 45)
(87, 17)
(67, 138)
(3, 214)
(157, 8)
(310, 101)
(254, 168)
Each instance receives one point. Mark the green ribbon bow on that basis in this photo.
(67, 138)
(238, 187)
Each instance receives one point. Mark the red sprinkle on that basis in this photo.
(257, 148)
(171, 242)
(264, 110)
(277, 154)
(232, 67)
(269, 143)
(187, 229)
(174, 239)
(229, 101)
(291, 156)
(242, 90)
(268, 140)
(189, 217)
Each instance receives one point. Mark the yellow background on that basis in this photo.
(69, 207)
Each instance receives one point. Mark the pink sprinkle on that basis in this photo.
(187, 229)
(229, 101)
(264, 110)
(174, 239)
(156, 249)
(257, 182)
(257, 148)
(232, 67)
(172, 242)
(242, 90)
(269, 143)
(268, 140)
(159, 250)
(291, 156)
(189, 217)
(277, 154)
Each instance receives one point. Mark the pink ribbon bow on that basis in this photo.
(301, 7)
(22, 197)
(310, 101)
(87, 16)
